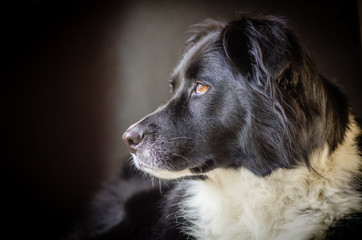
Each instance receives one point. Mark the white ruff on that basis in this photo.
(288, 204)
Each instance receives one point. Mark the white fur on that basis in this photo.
(287, 204)
(163, 174)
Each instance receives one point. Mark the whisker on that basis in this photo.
(131, 167)
(185, 147)
(178, 155)
(160, 186)
(177, 138)
(153, 180)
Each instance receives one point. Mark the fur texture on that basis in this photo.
(274, 142)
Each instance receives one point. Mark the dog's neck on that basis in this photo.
(325, 165)
(270, 207)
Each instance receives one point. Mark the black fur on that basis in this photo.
(251, 63)
(347, 228)
(266, 108)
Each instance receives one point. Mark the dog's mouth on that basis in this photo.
(161, 172)
(204, 167)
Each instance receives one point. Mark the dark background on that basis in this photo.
(76, 74)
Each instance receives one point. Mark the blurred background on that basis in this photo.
(76, 74)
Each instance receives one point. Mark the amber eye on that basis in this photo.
(201, 89)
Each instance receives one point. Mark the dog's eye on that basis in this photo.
(171, 88)
(201, 88)
(172, 85)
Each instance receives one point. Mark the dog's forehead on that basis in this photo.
(191, 59)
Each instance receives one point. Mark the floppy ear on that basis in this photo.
(261, 49)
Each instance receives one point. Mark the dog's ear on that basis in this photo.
(260, 49)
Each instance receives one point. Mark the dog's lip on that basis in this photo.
(142, 165)
(201, 168)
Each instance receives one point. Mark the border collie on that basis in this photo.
(262, 145)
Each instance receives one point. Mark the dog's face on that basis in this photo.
(237, 101)
(195, 130)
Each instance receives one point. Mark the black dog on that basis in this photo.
(265, 146)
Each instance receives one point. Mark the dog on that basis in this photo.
(262, 145)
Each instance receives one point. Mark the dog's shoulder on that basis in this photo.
(350, 226)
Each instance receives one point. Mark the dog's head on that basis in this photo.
(245, 94)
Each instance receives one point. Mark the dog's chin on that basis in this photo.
(166, 174)
(158, 171)
(162, 173)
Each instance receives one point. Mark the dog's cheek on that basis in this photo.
(227, 125)
(198, 111)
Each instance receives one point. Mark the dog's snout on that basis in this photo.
(132, 137)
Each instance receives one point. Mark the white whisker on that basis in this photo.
(177, 138)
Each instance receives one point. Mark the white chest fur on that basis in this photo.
(288, 204)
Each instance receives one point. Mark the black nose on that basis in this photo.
(132, 137)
